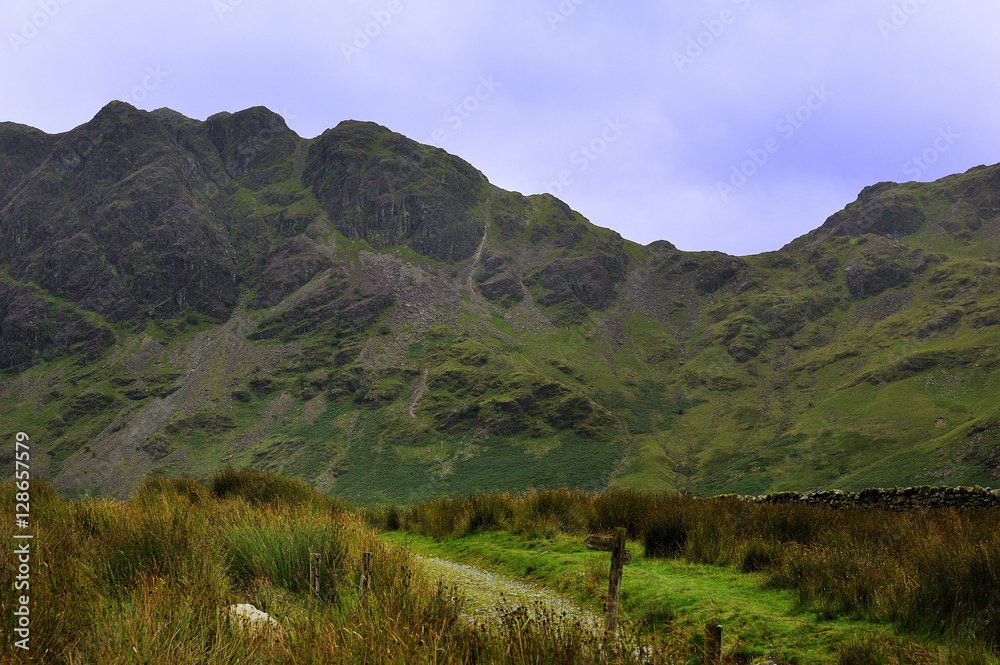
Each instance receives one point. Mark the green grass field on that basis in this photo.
(757, 621)
(802, 584)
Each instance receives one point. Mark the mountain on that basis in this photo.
(372, 315)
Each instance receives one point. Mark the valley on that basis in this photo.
(372, 316)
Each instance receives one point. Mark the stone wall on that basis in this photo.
(893, 498)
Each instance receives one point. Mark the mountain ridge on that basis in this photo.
(372, 315)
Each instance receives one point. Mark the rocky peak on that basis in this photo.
(22, 149)
(255, 138)
(382, 187)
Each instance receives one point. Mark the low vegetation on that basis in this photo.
(151, 580)
(932, 574)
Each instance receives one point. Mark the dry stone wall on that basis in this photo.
(893, 498)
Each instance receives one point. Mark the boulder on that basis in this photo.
(255, 621)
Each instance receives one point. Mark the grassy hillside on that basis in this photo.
(372, 316)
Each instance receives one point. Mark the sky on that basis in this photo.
(730, 125)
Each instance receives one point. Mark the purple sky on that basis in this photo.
(640, 115)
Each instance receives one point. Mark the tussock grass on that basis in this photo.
(933, 573)
(150, 581)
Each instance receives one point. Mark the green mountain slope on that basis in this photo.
(372, 315)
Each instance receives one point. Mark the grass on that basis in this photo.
(659, 593)
(150, 580)
(932, 575)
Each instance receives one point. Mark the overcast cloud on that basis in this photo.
(734, 125)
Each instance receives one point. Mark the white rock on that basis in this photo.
(253, 619)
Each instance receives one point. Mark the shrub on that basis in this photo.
(569, 509)
(862, 651)
(392, 518)
(278, 547)
(666, 533)
(442, 517)
(760, 555)
(257, 486)
(622, 508)
(488, 511)
(159, 486)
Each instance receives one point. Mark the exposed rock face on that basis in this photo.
(894, 211)
(22, 150)
(31, 329)
(294, 264)
(384, 188)
(716, 272)
(505, 288)
(113, 219)
(254, 140)
(881, 209)
(892, 215)
(880, 266)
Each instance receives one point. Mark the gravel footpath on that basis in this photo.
(489, 595)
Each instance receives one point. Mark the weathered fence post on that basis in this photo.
(314, 574)
(614, 585)
(366, 573)
(713, 643)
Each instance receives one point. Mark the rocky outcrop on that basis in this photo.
(32, 329)
(255, 139)
(882, 209)
(384, 188)
(716, 272)
(22, 150)
(881, 265)
(294, 264)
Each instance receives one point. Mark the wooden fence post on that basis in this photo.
(314, 574)
(614, 584)
(366, 573)
(713, 643)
